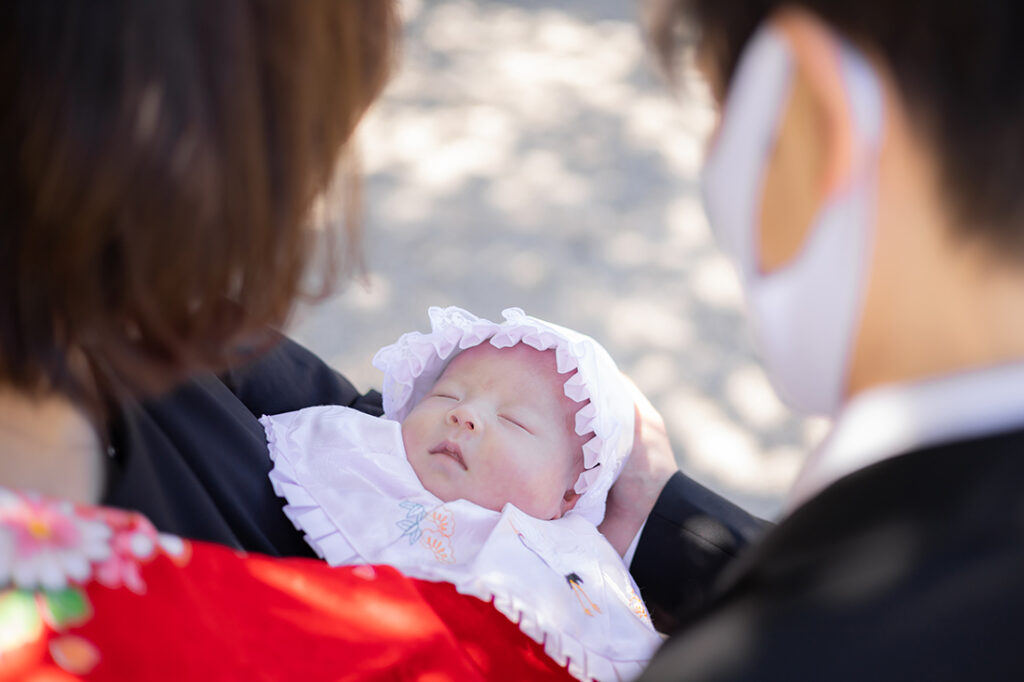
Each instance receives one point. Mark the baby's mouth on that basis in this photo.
(451, 450)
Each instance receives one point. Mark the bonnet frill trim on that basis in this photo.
(413, 364)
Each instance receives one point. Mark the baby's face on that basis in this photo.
(497, 428)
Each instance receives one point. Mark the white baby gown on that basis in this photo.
(351, 489)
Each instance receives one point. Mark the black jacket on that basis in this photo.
(195, 460)
(910, 569)
(690, 536)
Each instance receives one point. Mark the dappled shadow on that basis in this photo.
(530, 156)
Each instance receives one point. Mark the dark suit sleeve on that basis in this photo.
(195, 460)
(691, 534)
(291, 377)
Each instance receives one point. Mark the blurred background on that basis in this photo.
(528, 154)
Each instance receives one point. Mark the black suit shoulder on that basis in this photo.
(910, 569)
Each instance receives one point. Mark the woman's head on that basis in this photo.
(160, 162)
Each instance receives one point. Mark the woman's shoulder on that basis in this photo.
(56, 558)
(100, 592)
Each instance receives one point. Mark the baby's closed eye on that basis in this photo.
(514, 422)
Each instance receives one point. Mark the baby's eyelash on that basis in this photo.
(513, 421)
(443, 395)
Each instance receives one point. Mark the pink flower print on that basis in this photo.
(174, 547)
(122, 523)
(118, 571)
(45, 544)
(135, 540)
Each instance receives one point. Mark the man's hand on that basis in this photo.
(650, 465)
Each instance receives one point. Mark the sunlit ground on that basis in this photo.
(529, 155)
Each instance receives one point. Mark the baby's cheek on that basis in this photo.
(412, 436)
(542, 498)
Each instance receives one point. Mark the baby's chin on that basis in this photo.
(543, 512)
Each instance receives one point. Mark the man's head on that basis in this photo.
(495, 428)
(956, 65)
(940, 213)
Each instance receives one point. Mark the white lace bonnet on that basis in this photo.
(413, 364)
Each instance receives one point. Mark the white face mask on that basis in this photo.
(805, 314)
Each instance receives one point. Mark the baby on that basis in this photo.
(497, 428)
(489, 470)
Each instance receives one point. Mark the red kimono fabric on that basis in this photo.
(96, 594)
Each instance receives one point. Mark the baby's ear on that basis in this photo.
(568, 502)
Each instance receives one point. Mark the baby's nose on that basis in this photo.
(460, 416)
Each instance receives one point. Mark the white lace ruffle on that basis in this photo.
(413, 364)
(345, 479)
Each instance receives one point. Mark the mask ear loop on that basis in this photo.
(751, 118)
(865, 100)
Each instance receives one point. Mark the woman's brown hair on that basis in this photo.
(159, 163)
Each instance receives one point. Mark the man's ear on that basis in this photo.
(568, 501)
(813, 154)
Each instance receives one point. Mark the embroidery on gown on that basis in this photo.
(432, 529)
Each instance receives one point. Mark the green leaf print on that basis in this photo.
(66, 608)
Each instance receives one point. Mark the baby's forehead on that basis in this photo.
(518, 365)
(539, 363)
